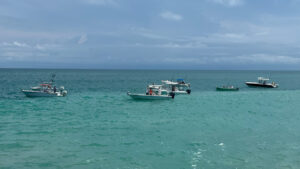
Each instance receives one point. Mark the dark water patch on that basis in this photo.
(129, 144)
(13, 146)
(94, 145)
(156, 154)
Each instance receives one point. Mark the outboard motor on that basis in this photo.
(188, 91)
(172, 94)
(64, 93)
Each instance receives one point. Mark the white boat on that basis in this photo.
(46, 89)
(45, 92)
(262, 82)
(154, 92)
(178, 87)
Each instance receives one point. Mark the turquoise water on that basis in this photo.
(98, 126)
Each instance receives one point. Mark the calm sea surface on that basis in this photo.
(98, 126)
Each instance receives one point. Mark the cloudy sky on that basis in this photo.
(150, 34)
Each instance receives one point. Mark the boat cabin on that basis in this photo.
(156, 90)
(263, 80)
(180, 85)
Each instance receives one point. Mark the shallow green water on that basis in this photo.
(98, 126)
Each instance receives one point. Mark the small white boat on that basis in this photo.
(154, 92)
(178, 87)
(46, 89)
(45, 92)
(262, 82)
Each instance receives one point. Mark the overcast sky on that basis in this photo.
(150, 34)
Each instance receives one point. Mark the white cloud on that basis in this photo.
(46, 46)
(229, 2)
(82, 39)
(14, 44)
(147, 33)
(269, 30)
(184, 60)
(18, 44)
(20, 51)
(185, 45)
(39, 47)
(269, 59)
(254, 59)
(23, 55)
(259, 59)
(171, 16)
(8, 34)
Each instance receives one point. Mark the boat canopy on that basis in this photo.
(45, 84)
(154, 86)
(169, 82)
(263, 79)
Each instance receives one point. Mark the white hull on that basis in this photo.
(30, 93)
(267, 85)
(149, 97)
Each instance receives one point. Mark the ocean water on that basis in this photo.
(98, 126)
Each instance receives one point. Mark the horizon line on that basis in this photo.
(150, 69)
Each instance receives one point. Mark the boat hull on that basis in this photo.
(30, 93)
(227, 89)
(149, 97)
(267, 85)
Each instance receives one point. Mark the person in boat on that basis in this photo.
(150, 91)
(54, 89)
(173, 88)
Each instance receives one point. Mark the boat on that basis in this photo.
(227, 88)
(46, 89)
(154, 92)
(262, 82)
(178, 87)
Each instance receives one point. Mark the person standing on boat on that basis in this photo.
(150, 91)
(173, 88)
(54, 89)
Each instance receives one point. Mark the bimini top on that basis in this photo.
(263, 79)
(169, 82)
(152, 86)
(45, 85)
